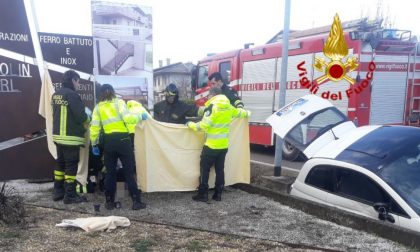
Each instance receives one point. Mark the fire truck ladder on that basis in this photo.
(414, 116)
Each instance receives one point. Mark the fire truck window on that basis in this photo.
(203, 74)
(225, 72)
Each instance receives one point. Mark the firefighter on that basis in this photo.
(172, 110)
(218, 115)
(111, 115)
(69, 117)
(216, 81)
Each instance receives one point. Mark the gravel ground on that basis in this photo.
(261, 219)
(41, 235)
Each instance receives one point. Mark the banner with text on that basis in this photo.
(62, 52)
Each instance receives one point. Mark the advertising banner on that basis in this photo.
(23, 145)
(19, 78)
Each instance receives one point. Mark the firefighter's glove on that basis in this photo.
(144, 116)
(96, 151)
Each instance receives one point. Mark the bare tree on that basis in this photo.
(184, 86)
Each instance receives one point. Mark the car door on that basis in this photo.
(314, 182)
(356, 192)
(310, 123)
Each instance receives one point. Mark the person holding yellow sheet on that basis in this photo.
(218, 115)
(111, 115)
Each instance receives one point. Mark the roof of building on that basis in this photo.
(180, 68)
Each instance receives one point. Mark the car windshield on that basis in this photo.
(393, 153)
(307, 131)
(403, 175)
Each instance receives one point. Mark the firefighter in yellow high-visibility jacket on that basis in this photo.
(216, 121)
(111, 115)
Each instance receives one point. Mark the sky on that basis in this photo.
(187, 30)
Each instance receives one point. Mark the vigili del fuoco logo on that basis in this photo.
(334, 69)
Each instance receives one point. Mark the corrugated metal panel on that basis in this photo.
(391, 58)
(293, 75)
(259, 102)
(388, 93)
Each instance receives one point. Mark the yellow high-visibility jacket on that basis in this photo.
(218, 115)
(135, 108)
(112, 116)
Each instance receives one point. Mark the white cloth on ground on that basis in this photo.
(91, 224)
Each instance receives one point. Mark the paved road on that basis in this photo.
(266, 155)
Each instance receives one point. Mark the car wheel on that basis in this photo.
(290, 152)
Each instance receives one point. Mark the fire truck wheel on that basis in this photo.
(290, 152)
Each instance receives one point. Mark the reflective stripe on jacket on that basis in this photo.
(112, 116)
(69, 118)
(135, 108)
(233, 97)
(218, 115)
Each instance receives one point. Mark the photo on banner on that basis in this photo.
(122, 48)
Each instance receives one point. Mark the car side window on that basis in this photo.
(351, 184)
(359, 187)
(321, 177)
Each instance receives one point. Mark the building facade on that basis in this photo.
(178, 73)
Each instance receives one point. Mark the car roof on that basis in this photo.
(380, 145)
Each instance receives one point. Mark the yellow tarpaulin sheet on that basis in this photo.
(168, 156)
(45, 110)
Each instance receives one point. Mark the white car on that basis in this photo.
(372, 171)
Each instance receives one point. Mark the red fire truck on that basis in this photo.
(388, 60)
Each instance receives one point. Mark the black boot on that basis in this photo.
(217, 196)
(110, 202)
(202, 194)
(70, 196)
(137, 204)
(58, 193)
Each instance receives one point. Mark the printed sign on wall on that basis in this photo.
(70, 51)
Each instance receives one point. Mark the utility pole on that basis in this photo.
(283, 80)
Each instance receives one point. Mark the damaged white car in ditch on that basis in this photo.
(372, 171)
